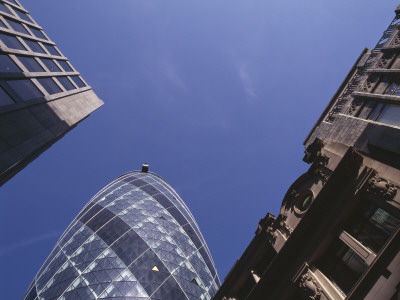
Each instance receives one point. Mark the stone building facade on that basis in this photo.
(42, 96)
(337, 235)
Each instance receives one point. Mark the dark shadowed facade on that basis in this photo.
(337, 235)
(136, 239)
(42, 96)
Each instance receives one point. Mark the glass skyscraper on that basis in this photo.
(135, 239)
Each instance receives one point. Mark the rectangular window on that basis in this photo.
(7, 65)
(67, 84)
(392, 87)
(342, 266)
(78, 81)
(11, 42)
(50, 64)
(35, 46)
(372, 226)
(52, 50)
(25, 89)
(65, 66)
(22, 15)
(37, 33)
(375, 111)
(17, 26)
(31, 64)
(390, 115)
(49, 85)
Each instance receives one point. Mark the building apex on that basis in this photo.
(145, 168)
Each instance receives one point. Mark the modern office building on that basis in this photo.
(337, 235)
(135, 239)
(42, 96)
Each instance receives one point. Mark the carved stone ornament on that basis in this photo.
(310, 286)
(383, 188)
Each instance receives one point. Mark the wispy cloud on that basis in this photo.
(247, 82)
(4, 250)
(171, 74)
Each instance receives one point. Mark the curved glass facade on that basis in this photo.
(135, 239)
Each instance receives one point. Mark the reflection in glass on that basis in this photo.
(65, 66)
(7, 65)
(25, 89)
(30, 64)
(375, 111)
(66, 83)
(372, 226)
(22, 15)
(49, 85)
(3, 8)
(50, 64)
(11, 42)
(37, 33)
(51, 50)
(390, 115)
(78, 81)
(35, 47)
(17, 26)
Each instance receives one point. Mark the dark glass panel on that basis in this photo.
(66, 83)
(31, 295)
(11, 42)
(5, 99)
(169, 290)
(22, 15)
(391, 88)
(52, 50)
(142, 269)
(51, 65)
(110, 232)
(13, 1)
(375, 111)
(7, 65)
(342, 266)
(164, 201)
(50, 86)
(3, 8)
(2, 24)
(17, 26)
(149, 189)
(390, 115)
(100, 219)
(35, 47)
(129, 247)
(397, 91)
(372, 226)
(138, 182)
(65, 66)
(25, 89)
(207, 259)
(192, 234)
(78, 81)
(89, 211)
(37, 33)
(177, 215)
(31, 64)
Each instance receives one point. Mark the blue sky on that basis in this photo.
(217, 96)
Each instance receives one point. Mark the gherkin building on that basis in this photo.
(136, 239)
